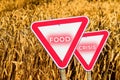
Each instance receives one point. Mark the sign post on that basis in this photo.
(89, 77)
(89, 48)
(62, 74)
(59, 37)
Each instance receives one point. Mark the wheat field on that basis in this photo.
(22, 57)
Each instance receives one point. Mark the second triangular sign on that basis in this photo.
(89, 48)
(59, 37)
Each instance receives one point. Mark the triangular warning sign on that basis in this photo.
(60, 37)
(89, 48)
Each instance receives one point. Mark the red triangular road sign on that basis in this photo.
(60, 37)
(89, 48)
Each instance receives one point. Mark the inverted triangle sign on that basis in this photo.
(89, 48)
(59, 37)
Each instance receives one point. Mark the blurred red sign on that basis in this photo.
(60, 36)
(89, 48)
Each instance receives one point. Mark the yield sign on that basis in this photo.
(89, 48)
(59, 37)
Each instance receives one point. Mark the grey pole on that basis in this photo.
(89, 75)
(62, 74)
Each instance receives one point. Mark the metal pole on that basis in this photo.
(89, 75)
(62, 74)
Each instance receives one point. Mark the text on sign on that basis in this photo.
(87, 47)
(59, 39)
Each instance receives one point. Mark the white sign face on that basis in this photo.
(89, 47)
(60, 37)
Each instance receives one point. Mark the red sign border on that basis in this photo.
(97, 53)
(60, 64)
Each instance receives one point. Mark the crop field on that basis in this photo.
(22, 57)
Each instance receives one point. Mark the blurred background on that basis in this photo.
(22, 57)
